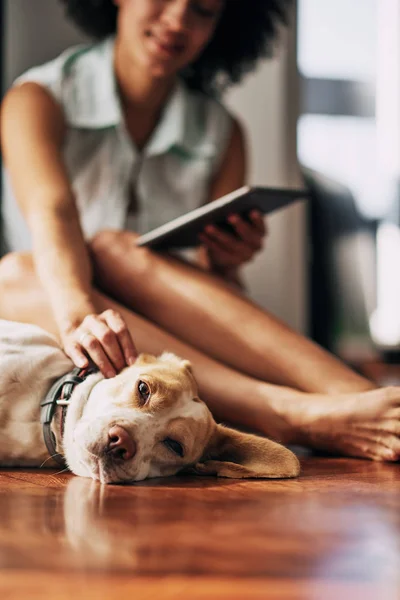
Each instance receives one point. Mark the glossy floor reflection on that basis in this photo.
(335, 532)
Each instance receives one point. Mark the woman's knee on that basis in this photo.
(110, 248)
(109, 238)
(15, 267)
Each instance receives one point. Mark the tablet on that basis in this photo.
(183, 232)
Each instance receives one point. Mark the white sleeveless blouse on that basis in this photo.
(170, 176)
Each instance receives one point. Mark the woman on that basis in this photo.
(108, 140)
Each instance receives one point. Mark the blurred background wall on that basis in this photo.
(348, 56)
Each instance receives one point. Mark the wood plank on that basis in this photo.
(335, 530)
(52, 586)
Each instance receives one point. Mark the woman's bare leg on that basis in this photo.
(205, 313)
(231, 396)
(361, 424)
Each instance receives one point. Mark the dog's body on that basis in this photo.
(146, 422)
(30, 361)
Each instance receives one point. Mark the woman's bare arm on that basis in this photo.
(32, 137)
(231, 175)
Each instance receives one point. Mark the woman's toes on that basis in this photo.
(381, 447)
(389, 426)
(388, 454)
(392, 396)
(393, 414)
(379, 453)
(364, 425)
(392, 426)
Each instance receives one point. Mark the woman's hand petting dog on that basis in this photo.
(227, 251)
(105, 339)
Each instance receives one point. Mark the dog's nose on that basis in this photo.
(120, 443)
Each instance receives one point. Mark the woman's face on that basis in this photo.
(163, 36)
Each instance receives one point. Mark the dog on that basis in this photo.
(147, 421)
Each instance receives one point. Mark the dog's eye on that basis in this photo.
(144, 391)
(175, 446)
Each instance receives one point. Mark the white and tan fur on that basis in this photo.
(31, 360)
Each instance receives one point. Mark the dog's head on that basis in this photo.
(148, 421)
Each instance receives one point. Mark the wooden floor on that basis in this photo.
(332, 534)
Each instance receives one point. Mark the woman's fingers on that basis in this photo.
(223, 255)
(258, 221)
(250, 234)
(230, 250)
(227, 241)
(96, 352)
(219, 256)
(108, 344)
(118, 326)
(74, 350)
(103, 338)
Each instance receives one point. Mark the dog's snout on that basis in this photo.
(120, 443)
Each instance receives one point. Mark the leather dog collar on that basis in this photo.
(59, 395)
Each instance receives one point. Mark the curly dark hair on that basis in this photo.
(245, 32)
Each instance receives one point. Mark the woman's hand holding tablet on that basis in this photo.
(184, 231)
(227, 251)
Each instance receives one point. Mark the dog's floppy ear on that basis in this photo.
(231, 453)
(179, 362)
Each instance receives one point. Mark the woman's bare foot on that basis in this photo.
(365, 424)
